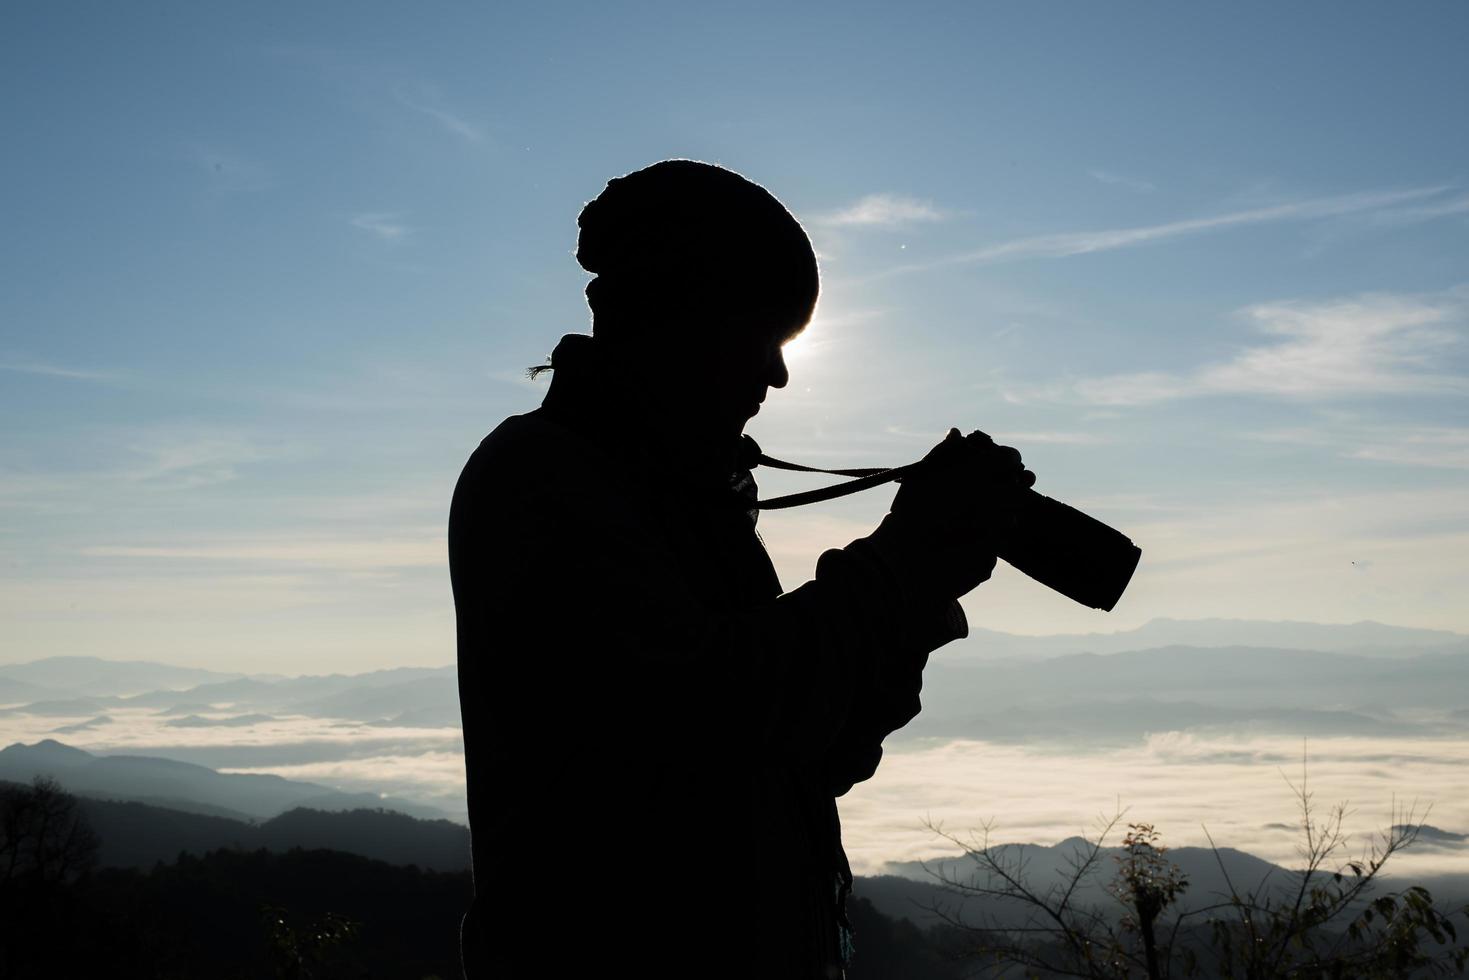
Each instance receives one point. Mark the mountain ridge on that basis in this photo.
(136, 778)
(1364, 636)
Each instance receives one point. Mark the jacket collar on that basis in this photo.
(594, 395)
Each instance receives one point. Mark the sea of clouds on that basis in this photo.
(1241, 790)
(425, 765)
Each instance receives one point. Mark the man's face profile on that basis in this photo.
(741, 361)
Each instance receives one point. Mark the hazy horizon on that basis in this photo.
(975, 645)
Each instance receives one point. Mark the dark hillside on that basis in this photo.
(137, 835)
(204, 917)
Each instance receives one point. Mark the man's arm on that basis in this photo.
(891, 699)
(550, 541)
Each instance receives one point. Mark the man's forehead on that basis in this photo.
(766, 320)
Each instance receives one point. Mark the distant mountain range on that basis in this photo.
(421, 697)
(183, 785)
(1130, 693)
(428, 696)
(93, 675)
(1367, 638)
(80, 676)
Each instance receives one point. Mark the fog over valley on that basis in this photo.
(1039, 735)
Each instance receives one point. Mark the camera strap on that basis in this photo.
(863, 478)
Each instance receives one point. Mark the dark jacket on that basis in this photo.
(655, 735)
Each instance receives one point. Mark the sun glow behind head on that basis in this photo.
(806, 346)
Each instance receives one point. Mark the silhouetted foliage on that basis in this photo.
(307, 950)
(232, 914)
(202, 916)
(1321, 923)
(44, 839)
(45, 847)
(238, 913)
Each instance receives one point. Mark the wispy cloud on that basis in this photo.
(1070, 243)
(426, 100)
(885, 211)
(354, 552)
(35, 492)
(1425, 212)
(1131, 183)
(188, 459)
(1438, 447)
(1376, 344)
(1056, 438)
(57, 371)
(1380, 344)
(124, 468)
(1431, 446)
(365, 82)
(385, 225)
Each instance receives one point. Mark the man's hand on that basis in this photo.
(952, 511)
(960, 472)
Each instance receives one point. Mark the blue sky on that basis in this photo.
(272, 270)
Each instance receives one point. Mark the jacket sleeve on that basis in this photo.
(888, 699)
(782, 677)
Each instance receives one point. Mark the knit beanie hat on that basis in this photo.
(683, 234)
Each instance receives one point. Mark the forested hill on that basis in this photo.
(175, 894)
(137, 835)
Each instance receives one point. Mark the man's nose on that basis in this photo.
(780, 376)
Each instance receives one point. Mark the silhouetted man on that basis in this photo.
(655, 735)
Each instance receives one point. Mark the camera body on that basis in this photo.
(1055, 544)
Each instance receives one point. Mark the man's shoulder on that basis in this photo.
(531, 454)
(534, 440)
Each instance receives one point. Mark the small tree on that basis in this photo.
(45, 846)
(44, 838)
(1044, 928)
(1146, 883)
(1322, 923)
